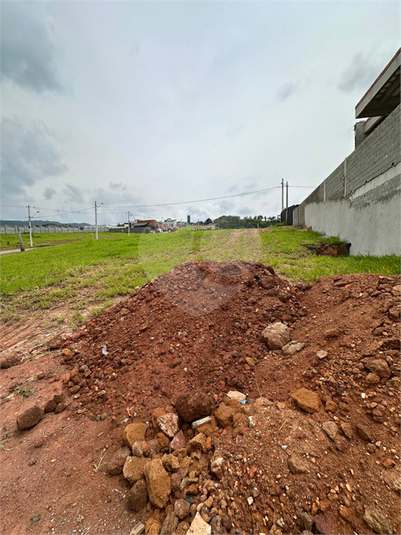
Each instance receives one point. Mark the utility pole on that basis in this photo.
(97, 234)
(129, 224)
(282, 194)
(286, 202)
(30, 225)
(286, 196)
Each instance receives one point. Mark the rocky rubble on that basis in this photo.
(316, 445)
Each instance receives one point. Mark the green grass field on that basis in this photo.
(116, 263)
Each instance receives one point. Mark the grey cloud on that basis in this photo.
(73, 194)
(117, 185)
(287, 90)
(28, 155)
(49, 193)
(359, 74)
(28, 53)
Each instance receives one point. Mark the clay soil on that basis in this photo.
(199, 328)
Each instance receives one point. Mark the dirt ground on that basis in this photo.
(199, 328)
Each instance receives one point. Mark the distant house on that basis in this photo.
(142, 228)
(170, 223)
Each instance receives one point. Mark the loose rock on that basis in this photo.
(194, 405)
(306, 400)
(158, 483)
(377, 521)
(30, 418)
(276, 335)
(199, 526)
(137, 496)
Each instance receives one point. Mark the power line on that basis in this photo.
(190, 202)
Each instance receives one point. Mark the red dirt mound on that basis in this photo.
(325, 460)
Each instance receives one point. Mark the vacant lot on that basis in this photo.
(78, 276)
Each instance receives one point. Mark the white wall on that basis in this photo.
(372, 227)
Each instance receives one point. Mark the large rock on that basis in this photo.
(134, 432)
(378, 366)
(7, 361)
(134, 467)
(376, 520)
(116, 464)
(30, 418)
(138, 496)
(168, 423)
(158, 483)
(276, 335)
(199, 526)
(224, 415)
(194, 405)
(306, 400)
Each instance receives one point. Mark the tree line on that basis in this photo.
(235, 221)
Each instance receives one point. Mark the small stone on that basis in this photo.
(331, 406)
(137, 496)
(378, 366)
(297, 465)
(216, 467)
(50, 406)
(293, 347)
(116, 464)
(178, 441)
(372, 379)
(377, 521)
(74, 389)
(346, 514)
(306, 400)
(133, 469)
(332, 333)
(152, 526)
(60, 407)
(7, 361)
(321, 354)
(237, 396)
(30, 418)
(224, 415)
(199, 526)
(331, 429)
(134, 432)
(341, 443)
(393, 480)
(346, 429)
(198, 443)
(389, 463)
(306, 520)
(363, 432)
(194, 405)
(158, 483)
(276, 335)
(140, 448)
(169, 524)
(181, 508)
(168, 423)
(170, 462)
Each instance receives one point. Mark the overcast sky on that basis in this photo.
(135, 103)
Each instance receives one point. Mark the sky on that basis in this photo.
(134, 103)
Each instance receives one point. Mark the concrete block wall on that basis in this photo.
(369, 175)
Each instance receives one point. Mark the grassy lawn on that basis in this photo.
(117, 263)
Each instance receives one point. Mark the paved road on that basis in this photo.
(15, 251)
